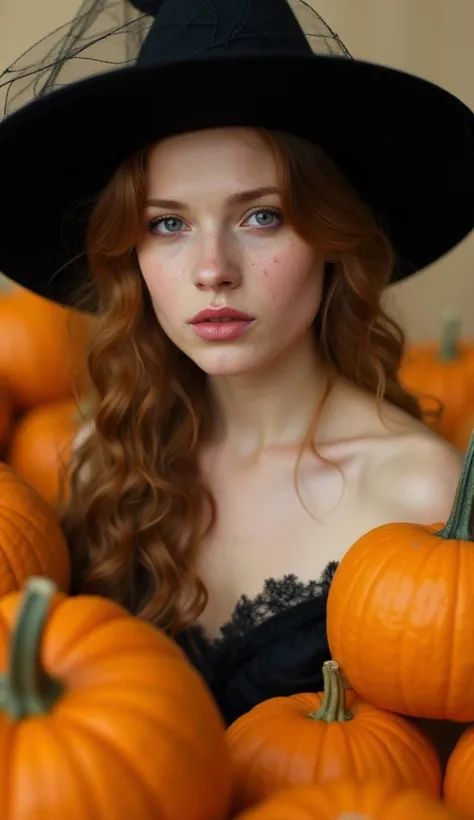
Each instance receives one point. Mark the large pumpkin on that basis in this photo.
(40, 447)
(458, 786)
(351, 800)
(400, 613)
(442, 371)
(102, 716)
(31, 539)
(312, 738)
(42, 348)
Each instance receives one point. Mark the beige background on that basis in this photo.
(431, 38)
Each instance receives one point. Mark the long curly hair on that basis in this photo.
(139, 507)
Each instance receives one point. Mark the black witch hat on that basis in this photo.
(404, 143)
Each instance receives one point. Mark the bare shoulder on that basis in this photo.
(416, 475)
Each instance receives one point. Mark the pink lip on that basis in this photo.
(222, 331)
(219, 313)
(238, 323)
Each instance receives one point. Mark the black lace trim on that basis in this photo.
(278, 595)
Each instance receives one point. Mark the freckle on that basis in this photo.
(275, 259)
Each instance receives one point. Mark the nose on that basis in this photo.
(217, 266)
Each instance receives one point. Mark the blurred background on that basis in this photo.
(431, 38)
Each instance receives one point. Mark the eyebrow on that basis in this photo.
(235, 199)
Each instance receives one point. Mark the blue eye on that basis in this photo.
(169, 225)
(266, 217)
(172, 224)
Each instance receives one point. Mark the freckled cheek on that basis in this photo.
(283, 277)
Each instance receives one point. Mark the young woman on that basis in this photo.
(249, 422)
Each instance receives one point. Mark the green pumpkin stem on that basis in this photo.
(26, 689)
(333, 708)
(449, 347)
(458, 525)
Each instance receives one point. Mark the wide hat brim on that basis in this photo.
(406, 145)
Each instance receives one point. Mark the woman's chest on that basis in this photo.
(270, 523)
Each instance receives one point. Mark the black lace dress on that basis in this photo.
(274, 645)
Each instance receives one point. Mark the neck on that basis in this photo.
(271, 407)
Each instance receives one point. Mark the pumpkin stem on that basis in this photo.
(458, 525)
(26, 689)
(333, 708)
(449, 347)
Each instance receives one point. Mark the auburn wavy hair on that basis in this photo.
(138, 507)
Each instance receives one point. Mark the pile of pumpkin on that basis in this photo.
(42, 369)
(102, 716)
(441, 376)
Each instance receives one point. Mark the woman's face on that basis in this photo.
(216, 238)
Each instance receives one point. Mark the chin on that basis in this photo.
(227, 363)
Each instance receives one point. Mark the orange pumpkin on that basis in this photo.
(40, 446)
(432, 411)
(444, 371)
(463, 431)
(102, 716)
(351, 800)
(42, 348)
(312, 738)
(31, 539)
(400, 613)
(458, 786)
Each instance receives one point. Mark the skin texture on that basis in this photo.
(375, 465)
(221, 254)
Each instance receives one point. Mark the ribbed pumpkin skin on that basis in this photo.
(350, 800)
(135, 735)
(459, 779)
(31, 539)
(400, 617)
(277, 746)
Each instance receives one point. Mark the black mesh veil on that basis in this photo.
(105, 35)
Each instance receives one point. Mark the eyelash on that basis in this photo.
(262, 210)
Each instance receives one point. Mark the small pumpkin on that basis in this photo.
(40, 447)
(458, 786)
(311, 738)
(351, 800)
(102, 716)
(42, 348)
(400, 613)
(31, 539)
(444, 371)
